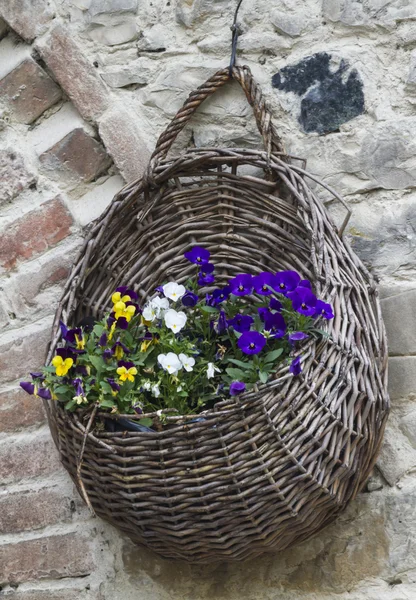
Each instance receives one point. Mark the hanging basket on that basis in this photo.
(269, 468)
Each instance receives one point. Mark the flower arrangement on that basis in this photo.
(185, 349)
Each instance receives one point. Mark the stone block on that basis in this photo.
(115, 34)
(89, 207)
(76, 156)
(402, 376)
(400, 319)
(18, 410)
(34, 233)
(290, 24)
(3, 28)
(28, 91)
(124, 75)
(122, 138)
(52, 557)
(411, 79)
(397, 456)
(26, 457)
(14, 175)
(29, 18)
(31, 510)
(101, 7)
(53, 594)
(190, 11)
(74, 72)
(21, 353)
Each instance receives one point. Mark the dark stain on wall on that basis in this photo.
(328, 98)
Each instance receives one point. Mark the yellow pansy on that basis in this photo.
(62, 366)
(117, 297)
(126, 374)
(121, 310)
(80, 342)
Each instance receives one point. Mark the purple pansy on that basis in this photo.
(74, 337)
(81, 370)
(263, 310)
(31, 389)
(28, 386)
(125, 363)
(44, 393)
(241, 285)
(237, 387)
(107, 354)
(198, 255)
(221, 325)
(221, 294)
(295, 366)
(323, 309)
(297, 336)
(241, 323)
(189, 299)
(206, 274)
(122, 323)
(305, 283)
(263, 282)
(286, 281)
(275, 304)
(275, 324)
(119, 349)
(303, 301)
(251, 342)
(66, 353)
(79, 390)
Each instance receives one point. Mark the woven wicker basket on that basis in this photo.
(274, 466)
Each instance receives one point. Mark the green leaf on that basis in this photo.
(70, 405)
(209, 309)
(263, 376)
(272, 356)
(61, 389)
(97, 362)
(106, 387)
(235, 373)
(107, 403)
(146, 422)
(240, 363)
(98, 330)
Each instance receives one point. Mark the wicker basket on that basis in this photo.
(274, 466)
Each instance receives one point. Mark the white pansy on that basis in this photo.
(174, 291)
(179, 388)
(160, 305)
(211, 370)
(175, 320)
(170, 362)
(156, 390)
(187, 362)
(146, 385)
(149, 313)
(155, 308)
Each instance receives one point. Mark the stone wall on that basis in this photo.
(85, 88)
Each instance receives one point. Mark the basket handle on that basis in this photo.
(271, 139)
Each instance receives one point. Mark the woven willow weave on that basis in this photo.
(271, 467)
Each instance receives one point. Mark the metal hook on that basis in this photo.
(236, 31)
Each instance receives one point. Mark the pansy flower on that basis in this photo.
(123, 310)
(187, 362)
(63, 361)
(323, 309)
(119, 350)
(303, 301)
(103, 340)
(251, 342)
(174, 320)
(237, 387)
(222, 324)
(274, 324)
(211, 370)
(295, 366)
(297, 336)
(79, 391)
(115, 387)
(107, 354)
(74, 337)
(305, 283)
(241, 323)
(174, 291)
(275, 305)
(34, 390)
(219, 295)
(189, 299)
(241, 285)
(198, 255)
(206, 274)
(263, 282)
(286, 281)
(123, 294)
(126, 371)
(170, 362)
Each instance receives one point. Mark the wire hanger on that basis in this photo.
(236, 31)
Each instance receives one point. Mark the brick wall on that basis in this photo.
(85, 88)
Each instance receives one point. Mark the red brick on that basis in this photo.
(19, 410)
(27, 457)
(28, 91)
(51, 557)
(34, 233)
(124, 143)
(74, 72)
(14, 175)
(32, 510)
(77, 154)
(25, 353)
(29, 18)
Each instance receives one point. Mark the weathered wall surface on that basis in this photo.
(85, 88)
